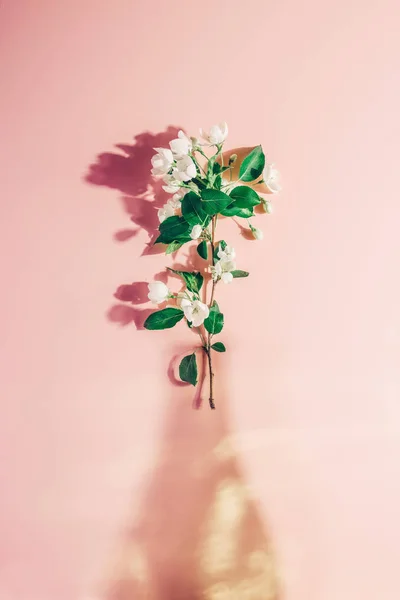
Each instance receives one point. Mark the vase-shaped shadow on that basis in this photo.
(198, 534)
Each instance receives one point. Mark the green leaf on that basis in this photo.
(235, 211)
(253, 165)
(220, 245)
(173, 247)
(216, 168)
(194, 281)
(193, 211)
(215, 320)
(219, 347)
(218, 182)
(238, 273)
(214, 201)
(202, 250)
(163, 319)
(245, 197)
(188, 369)
(173, 229)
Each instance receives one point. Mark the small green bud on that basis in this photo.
(232, 159)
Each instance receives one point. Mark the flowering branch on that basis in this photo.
(200, 194)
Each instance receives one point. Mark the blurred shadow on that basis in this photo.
(129, 171)
(198, 533)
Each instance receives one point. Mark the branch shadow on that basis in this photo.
(128, 170)
(198, 533)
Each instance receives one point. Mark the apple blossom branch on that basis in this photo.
(200, 193)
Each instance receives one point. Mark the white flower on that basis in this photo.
(216, 271)
(267, 206)
(174, 202)
(158, 292)
(181, 146)
(195, 311)
(226, 255)
(185, 169)
(222, 271)
(227, 277)
(257, 233)
(271, 178)
(166, 211)
(173, 186)
(196, 232)
(217, 134)
(161, 162)
(178, 197)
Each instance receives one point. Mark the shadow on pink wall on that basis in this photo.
(128, 171)
(198, 533)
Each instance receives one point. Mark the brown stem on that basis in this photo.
(211, 372)
(212, 293)
(207, 348)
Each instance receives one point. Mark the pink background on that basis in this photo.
(310, 386)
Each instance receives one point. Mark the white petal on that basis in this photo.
(224, 129)
(273, 186)
(267, 172)
(196, 232)
(188, 312)
(161, 215)
(179, 147)
(158, 292)
(191, 170)
(227, 277)
(204, 135)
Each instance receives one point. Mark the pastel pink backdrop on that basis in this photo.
(313, 374)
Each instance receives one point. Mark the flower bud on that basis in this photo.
(268, 207)
(232, 159)
(257, 233)
(196, 232)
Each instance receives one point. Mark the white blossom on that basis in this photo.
(178, 196)
(174, 203)
(196, 232)
(172, 185)
(161, 162)
(222, 270)
(158, 292)
(185, 169)
(227, 277)
(223, 267)
(217, 134)
(226, 254)
(166, 211)
(181, 146)
(195, 311)
(271, 178)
